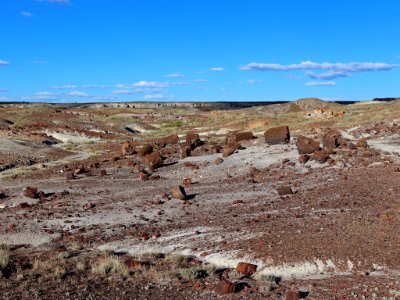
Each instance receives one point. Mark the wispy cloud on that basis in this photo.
(64, 87)
(154, 96)
(309, 65)
(175, 75)
(123, 92)
(26, 14)
(328, 75)
(320, 83)
(4, 62)
(200, 80)
(217, 69)
(254, 81)
(78, 94)
(55, 1)
(94, 86)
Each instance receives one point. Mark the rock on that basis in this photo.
(277, 135)
(71, 176)
(178, 192)
(103, 172)
(127, 149)
(362, 143)
(31, 192)
(192, 137)
(131, 263)
(187, 181)
(284, 190)
(88, 206)
(292, 295)
(332, 139)
(230, 149)
(143, 176)
(24, 205)
(246, 268)
(225, 287)
(238, 136)
(237, 202)
(218, 161)
(153, 160)
(146, 149)
(306, 145)
(304, 158)
(320, 156)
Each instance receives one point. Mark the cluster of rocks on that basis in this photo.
(320, 113)
(310, 148)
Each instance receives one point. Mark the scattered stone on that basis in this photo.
(230, 149)
(332, 139)
(146, 149)
(143, 176)
(178, 192)
(303, 158)
(284, 190)
(71, 176)
(218, 161)
(187, 181)
(24, 205)
(237, 202)
(320, 156)
(277, 135)
(225, 287)
(88, 206)
(103, 172)
(306, 145)
(127, 149)
(192, 137)
(238, 136)
(362, 143)
(153, 160)
(31, 192)
(246, 268)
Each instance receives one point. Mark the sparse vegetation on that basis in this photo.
(4, 261)
(110, 265)
(191, 273)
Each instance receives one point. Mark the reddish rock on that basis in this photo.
(24, 205)
(293, 295)
(187, 181)
(71, 176)
(88, 206)
(31, 192)
(320, 156)
(127, 149)
(218, 161)
(224, 287)
(362, 143)
(238, 136)
(79, 170)
(304, 158)
(131, 263)
(143, 176)
(306, 145)
(332, 139)
(189, 164)
(237, 202)
(178, 192)
(146, 149)
(153, 160)
(145, 236)
(246, 268)
(103, 172)
(284, 190)
(230, 149)
(277, 135)
(192, 137)
(185, 150)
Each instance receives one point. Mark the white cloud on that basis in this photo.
(150, 84)
(55, 1)
(179, 83)
(94, 86)
(123, 92)
(217, 69)
(309, 65)
(26, 14)
(64, 87)
(44, 94)
(320, 83)
(4, 62)
(328, 75)
(78, 94)
(200, 80)
(153, 96)
(254, 81)
(175, 75)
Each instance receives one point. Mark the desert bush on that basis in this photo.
(110, 265)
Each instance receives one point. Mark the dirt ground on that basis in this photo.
(84, 215)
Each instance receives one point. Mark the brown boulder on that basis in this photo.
(230, 149)
(284, 190)
(153, 160)
(146, 149)
(246, 268)
(31, 192)
(306, 145)
(277, 135)
(192, 137)
(127, 149)
(218, 161)
(225, 287)
(362, 143)
(238, 136)
(320, 156)
(332, 139)
(178, 192)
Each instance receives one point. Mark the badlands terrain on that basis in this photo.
(123, 201)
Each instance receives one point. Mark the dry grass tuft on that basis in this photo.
(110, 265)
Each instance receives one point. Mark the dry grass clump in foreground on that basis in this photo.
(4, 261)
(110, 264)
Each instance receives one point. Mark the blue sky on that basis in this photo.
(177, 50)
